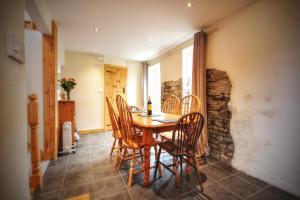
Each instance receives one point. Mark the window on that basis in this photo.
(187, 65)
(154, 86)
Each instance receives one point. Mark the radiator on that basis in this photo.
(67, 136)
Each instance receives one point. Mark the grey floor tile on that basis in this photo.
(91, 170)
(226, 167)
(51, 183)
(254, 181)
(280, 193)
(55, 195)
(217, 192)
(167, 184)
(104, 173)
(264, 196)
(81, 159)
(55, 170)
(238, 186)
(118, 196)
(214, 172)
(138, 193)
(78, 166)
(76, 190)
(194, 195)
(109, 186)
(103, 162)
(61, 160)
(80, 152)
(77, 178)
(193, 181)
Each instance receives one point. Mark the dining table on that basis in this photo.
(149, 125)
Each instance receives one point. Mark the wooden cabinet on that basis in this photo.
(66, 112)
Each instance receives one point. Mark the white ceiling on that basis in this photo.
(126, 26)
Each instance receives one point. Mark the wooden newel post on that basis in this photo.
(36, 178)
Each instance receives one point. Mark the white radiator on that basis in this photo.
(67, 136)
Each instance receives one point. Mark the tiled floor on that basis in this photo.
(91, 170)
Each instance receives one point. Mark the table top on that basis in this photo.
(148, 122)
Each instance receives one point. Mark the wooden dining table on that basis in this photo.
(150, 125)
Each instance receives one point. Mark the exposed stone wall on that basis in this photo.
(218, 114)
(171, 88)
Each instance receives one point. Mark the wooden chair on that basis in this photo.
(183, 145)
(116, 133)
(190, 103)
(171, 105)
(132, 140)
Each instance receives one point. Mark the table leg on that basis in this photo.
(147, 140)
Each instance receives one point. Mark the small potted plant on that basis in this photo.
(67, 84)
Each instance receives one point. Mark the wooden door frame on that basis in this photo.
(50, 100)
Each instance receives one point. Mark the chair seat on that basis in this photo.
(172, 148)
(168, 135)
(137, 144)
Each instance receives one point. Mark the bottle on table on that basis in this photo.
(149, 106)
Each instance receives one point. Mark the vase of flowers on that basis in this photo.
(67, 84)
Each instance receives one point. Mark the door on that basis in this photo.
(115, 82)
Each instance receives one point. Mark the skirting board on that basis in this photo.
(91, 131)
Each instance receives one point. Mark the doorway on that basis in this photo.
(154, 86)
(115, 82)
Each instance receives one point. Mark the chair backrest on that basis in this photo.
(134, 108)
(115, 121)
(128, 129)
(171, 105)
(186, 134)
(190, 103)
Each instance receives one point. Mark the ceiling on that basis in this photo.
(134, 29)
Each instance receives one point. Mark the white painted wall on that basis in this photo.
(34, 74)
(135, 83)
(13, 111)
(259, 48)
(89, 75)
(135, 90)
(171, 63)
(89, 102)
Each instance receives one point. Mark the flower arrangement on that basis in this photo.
(67, 84)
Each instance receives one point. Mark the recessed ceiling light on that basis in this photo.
(189, 4)
(96, 29)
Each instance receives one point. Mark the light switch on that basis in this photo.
(101, 90)
(14, 48)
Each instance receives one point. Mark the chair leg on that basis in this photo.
(159, 165)
(119, 153)
(117, 157)
(123, 157)
(180, 165)
(197, 173)
(131, 171)
(113, 147)
(157, 162)
(141, 154)
(175, 168)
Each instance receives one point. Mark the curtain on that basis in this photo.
(199, 86)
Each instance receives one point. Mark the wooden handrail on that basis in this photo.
(36, 180)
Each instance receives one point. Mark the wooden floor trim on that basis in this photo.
(91, 131)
